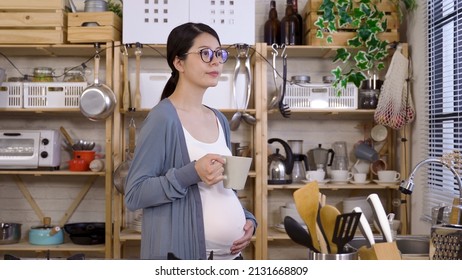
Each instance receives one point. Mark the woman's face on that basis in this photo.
(195, 70)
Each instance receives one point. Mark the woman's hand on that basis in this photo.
(240, 244)
(210, 168)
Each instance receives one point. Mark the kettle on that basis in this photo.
(280, 167)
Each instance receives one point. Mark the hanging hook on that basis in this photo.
(283, 54)
(275, 52)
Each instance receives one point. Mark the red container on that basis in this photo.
(78, 164)
(81, 161)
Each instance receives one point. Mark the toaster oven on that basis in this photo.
(30, 149)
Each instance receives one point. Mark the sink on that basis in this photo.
(407, 244)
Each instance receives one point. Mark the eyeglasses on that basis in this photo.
(207, 55)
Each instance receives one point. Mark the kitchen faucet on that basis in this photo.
(407, 186)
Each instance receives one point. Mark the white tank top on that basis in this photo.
(224, 217)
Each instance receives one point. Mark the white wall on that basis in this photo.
(416, 36)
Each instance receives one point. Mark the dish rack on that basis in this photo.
(53, 95)
(320, 96)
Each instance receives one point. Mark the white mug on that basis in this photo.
(359, 177)
(388, 175)
(341, 175)
(236, 172)
(315, 175)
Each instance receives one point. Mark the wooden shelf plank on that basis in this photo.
(329, 186)
(26, 246)
(52, 173)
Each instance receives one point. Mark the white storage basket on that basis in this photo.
(11, 95)
(229, 18)
(320, 96)
(53, 95)
(150, 22)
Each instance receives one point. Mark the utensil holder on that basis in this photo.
(350, 254)
(380, 251)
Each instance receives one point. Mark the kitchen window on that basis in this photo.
(444, 99)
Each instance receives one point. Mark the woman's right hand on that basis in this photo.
(210, 168)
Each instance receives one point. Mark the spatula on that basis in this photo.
(298, 234)
(307, 204)
(328, 215)
(345, 228)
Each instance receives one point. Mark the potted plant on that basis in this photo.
(366, 51)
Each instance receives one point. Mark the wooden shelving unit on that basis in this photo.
(55, 52)
(267, 234)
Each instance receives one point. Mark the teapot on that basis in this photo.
(280, 167)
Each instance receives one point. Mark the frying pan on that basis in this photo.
(97, 101)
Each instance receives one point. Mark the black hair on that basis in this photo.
(179, 41)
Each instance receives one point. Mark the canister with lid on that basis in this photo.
(300, 79)
(74, 74)
(43, 74)
(368, 98)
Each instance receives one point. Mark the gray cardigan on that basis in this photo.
(162, 181)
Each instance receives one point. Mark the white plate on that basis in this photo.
(386, 183)
(280, 227)
(319, 182)
(379, 133)
(360, 183)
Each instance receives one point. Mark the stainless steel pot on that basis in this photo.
(97, 101)
(11, 233)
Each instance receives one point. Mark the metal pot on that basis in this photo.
(11, 233)
(97, 101)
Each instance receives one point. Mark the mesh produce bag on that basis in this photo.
(395, 108)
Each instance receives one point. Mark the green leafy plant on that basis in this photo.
(115, 7)
(365, 52)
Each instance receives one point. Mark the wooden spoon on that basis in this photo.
(307, 204)
(126, 92)
(137, 79)
(328, 217)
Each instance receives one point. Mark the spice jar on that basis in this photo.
(368, 98)
(74, 74)
(43, 74)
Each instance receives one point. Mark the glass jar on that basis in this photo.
(43, 74)
(74, 74)
(300, 79)
(368, 98)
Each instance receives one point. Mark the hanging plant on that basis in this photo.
(366, 52)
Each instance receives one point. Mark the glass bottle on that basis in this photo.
(300, 21)
(290, 26)
(272, 33)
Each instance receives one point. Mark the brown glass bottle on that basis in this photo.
(300, 21)
(290, 33)
(272, 32)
